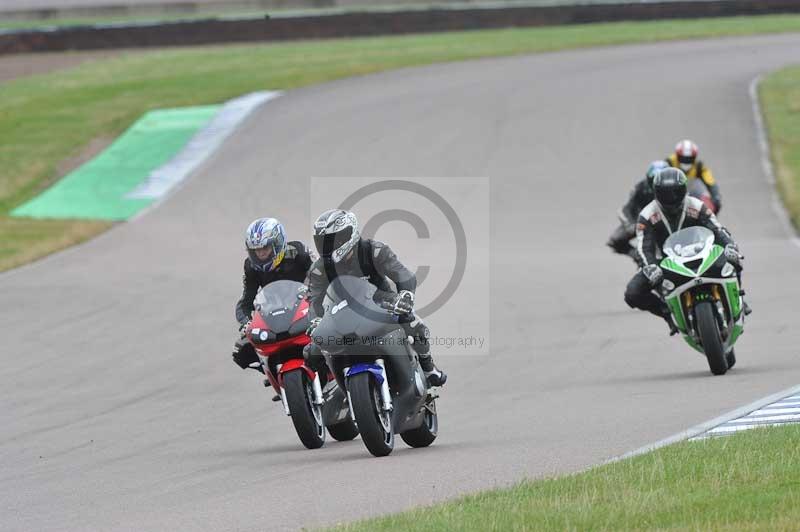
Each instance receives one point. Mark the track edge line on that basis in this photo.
(708, 425)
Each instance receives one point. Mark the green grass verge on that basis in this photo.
(47, 119)
(747, 481)
(780, 102)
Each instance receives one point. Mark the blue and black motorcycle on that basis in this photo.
(371, 357)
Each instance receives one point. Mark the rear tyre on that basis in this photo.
(426, 433)
(377, 431)
(344, 430)
(306, 416)
(709, 336)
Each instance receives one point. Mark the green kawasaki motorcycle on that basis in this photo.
(702, 290)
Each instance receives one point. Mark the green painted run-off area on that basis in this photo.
(97, 190)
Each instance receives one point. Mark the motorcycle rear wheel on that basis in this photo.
(424, 435)
(377, 431)
(709, 335)
(344, 430)
(306, 416)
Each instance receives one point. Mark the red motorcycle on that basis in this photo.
(277, 331)
(699, 190)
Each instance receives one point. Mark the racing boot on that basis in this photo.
(745, 307)
(667, 315)
(434, 375)
(276, 397)
(731, 359)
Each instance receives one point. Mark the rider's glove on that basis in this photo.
(654, 274)
(403, 302)
(243, 355)
(312, 325)
(732, 254)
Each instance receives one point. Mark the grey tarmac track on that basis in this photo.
(120, 408)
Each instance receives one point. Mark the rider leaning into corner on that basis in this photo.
(641, 195)
(269, 258)
(343, 252)
(671, 210)
(685, 158)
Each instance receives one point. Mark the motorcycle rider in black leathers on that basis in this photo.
(269, 258)
(671, 210)
(343, 252)
(641, 195)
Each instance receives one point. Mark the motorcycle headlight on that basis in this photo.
(668, 285)
(728, 270)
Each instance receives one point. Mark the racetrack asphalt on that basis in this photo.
(120, 408)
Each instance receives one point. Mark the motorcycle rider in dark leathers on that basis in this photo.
(640, 196)
(671, 210)
(269, 258)
(343, 252)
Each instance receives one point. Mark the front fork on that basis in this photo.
(716, 296)
(316, 388)
(284, 402)
(386, 396)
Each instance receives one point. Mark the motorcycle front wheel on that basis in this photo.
(306, 416)
(374, 424)
(709, 335)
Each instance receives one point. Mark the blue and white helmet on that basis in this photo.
(265, 241)
(652, 170)
(335, 234)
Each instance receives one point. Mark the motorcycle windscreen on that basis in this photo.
(350, 302)
(688, 243)
(277, 303)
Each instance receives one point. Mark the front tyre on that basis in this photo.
(424, 435)
(306, 416)
(709, 336)
(374, 424)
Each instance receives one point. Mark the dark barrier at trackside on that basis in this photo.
(354, 24)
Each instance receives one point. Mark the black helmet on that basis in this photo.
(669, 187)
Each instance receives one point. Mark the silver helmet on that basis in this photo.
(336, 234)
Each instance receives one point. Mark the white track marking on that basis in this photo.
(164, 179)
(716, 425)
(780, 412)
(763, 419)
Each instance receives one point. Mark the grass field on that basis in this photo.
(780, 102)
(747, 481)
(47, 119)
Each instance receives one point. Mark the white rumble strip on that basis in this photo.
(781, 412)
